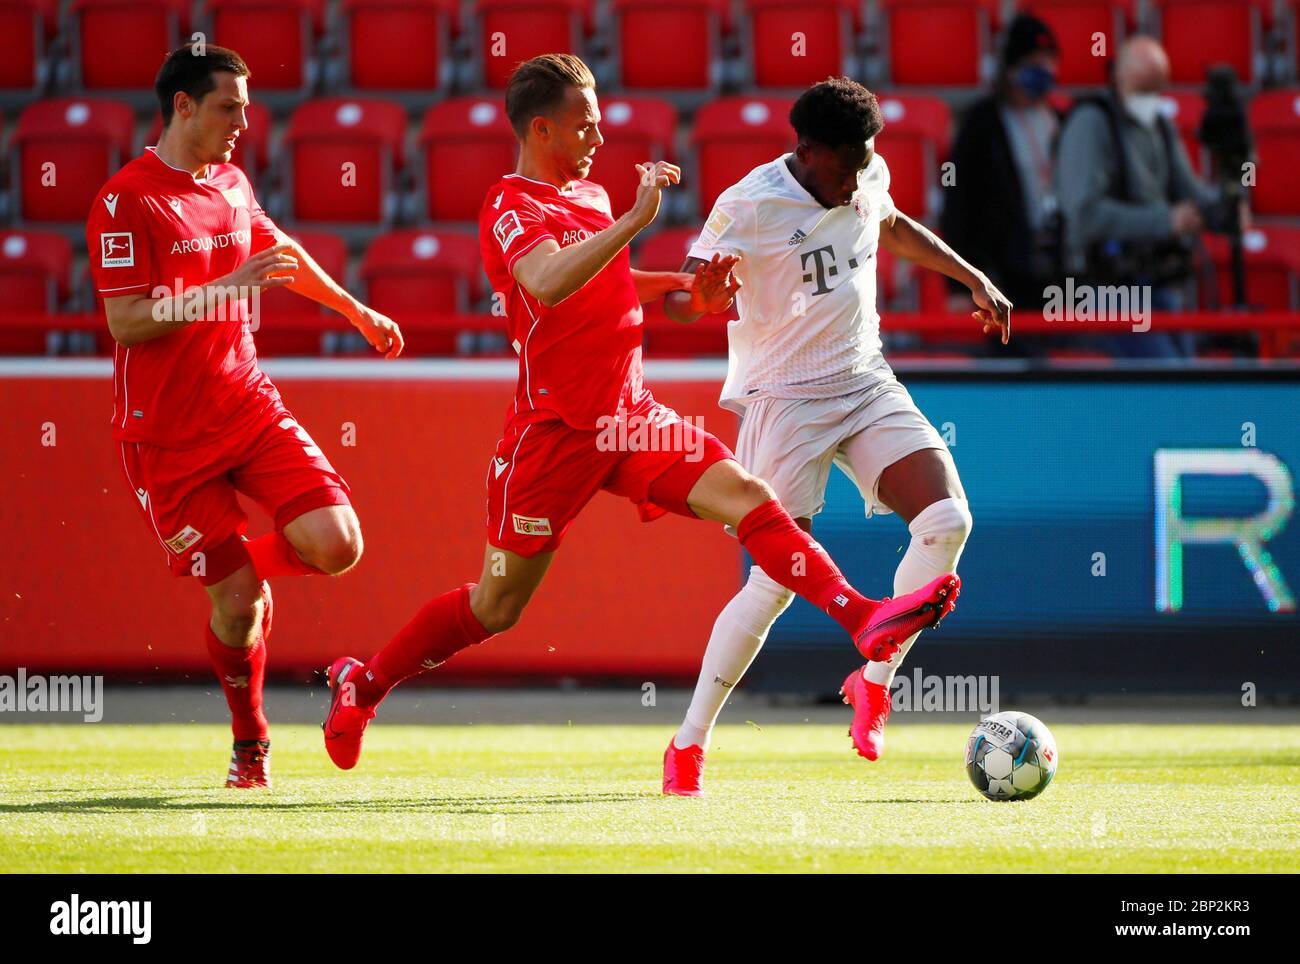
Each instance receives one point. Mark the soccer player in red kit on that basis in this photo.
(178, 249)
(582, 420)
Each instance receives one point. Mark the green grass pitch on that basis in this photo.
(555, 798)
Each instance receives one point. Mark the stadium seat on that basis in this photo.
(467, 145)
(666, 250)
(938, 43)
(514, 30)
(35, 269)
(792, 43)
(669, 44)
(1198, 34)
(121, 43)
(417, 273)
(26, 29)
(290, 324)
(343, 159)
(914, 143)
(1275, 121)
(1184, 109)
(273, 36)
(732, 136)
(420, 29)
(1075, 23)
(62, 152)
(635, 129)
(252, 150)
(1272, 257)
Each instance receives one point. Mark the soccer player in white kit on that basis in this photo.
(806, 374)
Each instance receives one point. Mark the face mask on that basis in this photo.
(1035, 80)
(1145, 108)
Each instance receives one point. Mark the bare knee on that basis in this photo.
(237, 611)
(497, 612)
(751, 492)
(336, 550)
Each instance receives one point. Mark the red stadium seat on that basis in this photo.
(792, 43)
(26, 28)
(417, 273)
(1075, 23)
(467, 145)
(1184, 109)
(732, 136)
(669, 44)
(120, 44)
(273, 36)
(1272, 256)
(938, 43)
(343, 159)
(418, 28)
(665, 250)
(251, 150)
(636, 129)
(1275, 121)
(62, 153)
(914, 143)
(1198, 34)
(288, 323)
(34, 270)
(514, 30)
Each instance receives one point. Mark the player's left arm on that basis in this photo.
(653, 285)
(906, 238)
(312, 281)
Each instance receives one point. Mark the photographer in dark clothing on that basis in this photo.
(1001, 209)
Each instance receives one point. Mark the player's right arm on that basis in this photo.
(727, 238)
(551, 273)
(136, 318)
(712, 293)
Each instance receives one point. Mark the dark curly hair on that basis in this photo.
(837, 112)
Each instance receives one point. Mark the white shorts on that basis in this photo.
(792, 442)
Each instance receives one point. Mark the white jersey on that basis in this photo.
(808, 326)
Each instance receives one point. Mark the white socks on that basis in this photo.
(939, 534)
(738, 635)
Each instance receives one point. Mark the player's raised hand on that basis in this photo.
(381, 331)
(994, 309)
(266, 269)
(653, 177)
(715, 284)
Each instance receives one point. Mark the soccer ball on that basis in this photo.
(1011, 756)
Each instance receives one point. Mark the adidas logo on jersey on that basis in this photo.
(797, 238)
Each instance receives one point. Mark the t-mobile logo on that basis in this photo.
(819, 266)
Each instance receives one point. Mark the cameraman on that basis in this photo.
(1132, 204)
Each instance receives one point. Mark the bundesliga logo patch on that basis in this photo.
(715, 228)
(507, 229)
(234, 197)
(117, 250)
(526, 526)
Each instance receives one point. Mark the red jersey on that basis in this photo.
(580, 359)
(157, 230)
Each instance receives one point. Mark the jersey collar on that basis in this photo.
(572, 185)
(197, 180)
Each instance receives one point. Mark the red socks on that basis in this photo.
(273, 555)
(792, 558)
(240, 671)
(444, 627)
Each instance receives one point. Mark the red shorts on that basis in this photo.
(187, 496)
(545, 472)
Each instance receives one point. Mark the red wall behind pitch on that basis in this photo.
(83, 586)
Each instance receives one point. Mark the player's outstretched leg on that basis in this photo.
(463, 617)
(236, 637)
(738, 635)
(924, 488)
(728, 493)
